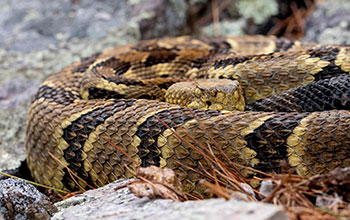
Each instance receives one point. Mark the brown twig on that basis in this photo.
(293, 192)
(123, 152)
(215, 12)
(154, 186)
(71, 174)
(240, 175)
(294, 24)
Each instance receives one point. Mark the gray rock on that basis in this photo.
(266, 188)
(107, 203)
(14, 101)
(20, 200)
(38, 38)
(257, 10)
(227, 28)
(34, 25)
(241, 17)
(329, 23)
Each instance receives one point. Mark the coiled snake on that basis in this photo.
(297, 109)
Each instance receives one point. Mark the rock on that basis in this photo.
(14, 101)
(20, 200)
(266, 187)
(106, 203)
(257, 10)
(43, 24)
(38, 38)
(227, 28)
(329, 23)
(160, 17)
(242, 17)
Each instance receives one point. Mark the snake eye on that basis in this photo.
(208, 103)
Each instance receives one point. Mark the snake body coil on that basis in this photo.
(118, 96)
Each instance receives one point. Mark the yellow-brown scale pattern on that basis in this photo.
(119, 94)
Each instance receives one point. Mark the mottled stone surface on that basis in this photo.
(242, 17)
(20, 200)
(37, 24)
(38, 38)
(329, 23)
(106, 203)
(257, 10)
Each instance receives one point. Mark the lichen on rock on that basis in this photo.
(257, 10)
(20, 200)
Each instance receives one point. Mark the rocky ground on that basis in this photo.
(39, 37)
(107, 203)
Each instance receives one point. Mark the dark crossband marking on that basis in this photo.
(324, 95)
(198, 63)
(119, 66)
(124, 81)
(97, 93)
(85, 63)
(160, 56)
(139, 89)
(269, 140)
(321, 95)
(220, 45)
(150, 130)
(330, 55)
(231, 61)
(284, 102)
(57, 95)
(78, 132)
(203, 61)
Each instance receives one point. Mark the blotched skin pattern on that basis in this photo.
(118, 95)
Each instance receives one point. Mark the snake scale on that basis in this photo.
(297, 110)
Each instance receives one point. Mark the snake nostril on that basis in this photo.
(208, 103)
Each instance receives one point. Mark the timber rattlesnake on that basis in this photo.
(79, 108)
